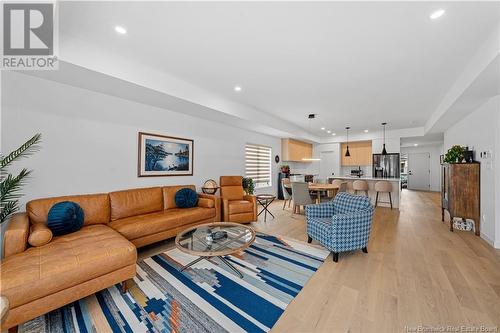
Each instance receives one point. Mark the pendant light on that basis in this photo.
(384, 152)
(347, 154)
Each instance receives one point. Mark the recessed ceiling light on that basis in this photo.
(237, 88)
(328, 131)
(415, 144)
(334, 133)
(366, 131)
(437, 14)
(322, 128)
(121, 30)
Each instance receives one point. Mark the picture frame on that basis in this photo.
(162, 155)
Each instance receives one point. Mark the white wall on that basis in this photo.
(435, 166)
(90, 139)
(392, 145)
(479, 130)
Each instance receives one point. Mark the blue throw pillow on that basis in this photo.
(65, 217)
(186, 198)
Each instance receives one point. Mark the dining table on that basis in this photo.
(320, 187)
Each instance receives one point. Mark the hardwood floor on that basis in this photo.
(417, 273)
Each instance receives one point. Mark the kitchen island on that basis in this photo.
(396, 189)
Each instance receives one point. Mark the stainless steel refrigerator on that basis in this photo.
(386, 166)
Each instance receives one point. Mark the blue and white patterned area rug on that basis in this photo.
(207, 297)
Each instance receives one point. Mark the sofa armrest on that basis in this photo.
(39, 235)
(217, 204)
(253, 200)
(15, 239)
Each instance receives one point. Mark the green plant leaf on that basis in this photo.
(10, 186)
(26, 149)
(8, 208)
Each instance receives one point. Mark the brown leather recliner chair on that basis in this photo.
(236, 206)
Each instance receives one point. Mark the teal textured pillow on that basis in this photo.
(186, 198)
(65, 217)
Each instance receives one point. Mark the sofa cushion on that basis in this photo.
(240, 206)
(95, 207)
(231, 187)
(169, 194)
(67, 261)
(232, 192)
(147, 224)
(135, 202)
(186, 198)
(65, 217)
(242, 217)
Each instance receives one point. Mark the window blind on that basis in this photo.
(258, 164)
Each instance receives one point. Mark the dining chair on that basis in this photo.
(287, 191)
(324, 195)
(342, 187)
(300, 195)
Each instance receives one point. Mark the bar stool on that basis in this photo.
(360, 185)
(384, 187)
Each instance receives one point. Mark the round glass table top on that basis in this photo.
(215, 239)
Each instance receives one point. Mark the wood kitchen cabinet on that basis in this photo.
(295, 150)
(361, 153)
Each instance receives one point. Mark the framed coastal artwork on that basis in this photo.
(161, 155)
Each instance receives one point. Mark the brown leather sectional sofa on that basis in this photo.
(38, 279)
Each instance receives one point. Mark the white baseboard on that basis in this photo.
(488, 240)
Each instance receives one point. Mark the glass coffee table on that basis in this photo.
(215, 240)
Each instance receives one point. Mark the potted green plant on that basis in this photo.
(10, 185)
(455, 154)
(248, 185)
(285, 168)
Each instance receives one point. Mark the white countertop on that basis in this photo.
(364, 178)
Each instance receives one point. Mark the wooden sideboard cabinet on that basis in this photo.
(460, 192)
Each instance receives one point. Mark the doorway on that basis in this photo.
(419, 171)
(328, 165)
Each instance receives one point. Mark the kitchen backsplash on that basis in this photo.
(310, 168)
(346, 170)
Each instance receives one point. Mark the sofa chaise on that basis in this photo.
(38, 279)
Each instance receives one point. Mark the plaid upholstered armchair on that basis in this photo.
(342, 224)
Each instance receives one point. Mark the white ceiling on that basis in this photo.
(355, 64)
